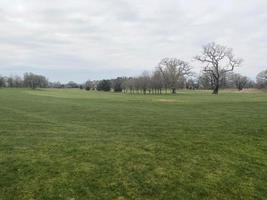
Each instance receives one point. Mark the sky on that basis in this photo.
(94, 39)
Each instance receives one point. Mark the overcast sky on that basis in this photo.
(93, 39)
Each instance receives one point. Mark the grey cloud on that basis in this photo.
(126, 36)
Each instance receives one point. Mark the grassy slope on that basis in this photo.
(72, 144)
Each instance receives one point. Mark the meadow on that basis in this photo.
(73, 144)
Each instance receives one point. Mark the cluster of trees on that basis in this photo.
(33, 81)
(155, 83)
(230, 80)
(104, 85)
(29, 80)
(170, 74)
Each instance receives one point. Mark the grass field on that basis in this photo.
(73, 144)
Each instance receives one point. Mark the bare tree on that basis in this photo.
(55, 84)
(2, 81)
(33, 81)
(205, 81)
(218, 61)
(239, 81)
(137, 84)
(117, 84)
(157, 81)
(88, 85)
(10, 82)
(72, 84)
(262, 79)
(192, 84)
(130, 84)
(172, 69)
(124, 85)
(18, 82)
(144, 81)
(181, 84)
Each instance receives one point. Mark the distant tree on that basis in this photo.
(205, 81)
(251, 84)
(72, 84)
(172, 69)
(130, 84)
(56, 85)
(33, 81)
(181, 84)
(224, 80)
(262, 79)
(10, 82)
(192, 84)
(88, 85)
(218, 60)
(94, 85)
(2, 82)
(239, 81)
(136, 84)
(18, 81)
(124, 85)
(144, 81)
(104, 85)
(157, 82)
(117, 84)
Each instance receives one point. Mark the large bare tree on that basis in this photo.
(218, 60)
(172, 69)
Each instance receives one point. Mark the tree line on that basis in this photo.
(29, 80)
(218, 63)
(153, 83)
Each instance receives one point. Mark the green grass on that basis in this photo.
(73, 144)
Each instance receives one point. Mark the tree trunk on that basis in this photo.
(173, 90)
(216, 88)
